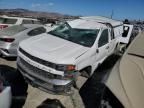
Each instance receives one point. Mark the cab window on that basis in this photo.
(104, 38)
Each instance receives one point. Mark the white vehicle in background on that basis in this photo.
(13, 88)
(5, 95)
(10, 37)
(6, 21)
(53, 61)
(126, 36)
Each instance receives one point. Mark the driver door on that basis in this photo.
(103, 46)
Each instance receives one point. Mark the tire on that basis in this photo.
(86, 72)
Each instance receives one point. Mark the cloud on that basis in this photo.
(35, 5)
(50, 4)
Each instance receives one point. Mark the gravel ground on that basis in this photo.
(35, 96)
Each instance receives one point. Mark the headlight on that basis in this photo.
(65, 67)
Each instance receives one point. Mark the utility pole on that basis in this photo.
(112, 14)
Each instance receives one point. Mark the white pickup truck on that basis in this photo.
(53, 61)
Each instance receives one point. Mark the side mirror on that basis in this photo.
(97, 50)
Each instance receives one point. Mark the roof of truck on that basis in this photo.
(86, 24)
(103, 20)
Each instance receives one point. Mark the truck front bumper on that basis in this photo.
(54, 86)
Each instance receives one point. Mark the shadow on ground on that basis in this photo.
(51, 103)
(88, 90)
(10, 58)
(13, 78)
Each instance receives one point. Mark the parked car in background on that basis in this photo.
(5, 95)
(13, 88)
(136, 30)
(53, 61)
(11, 37)
(123, 85)
(6, 21)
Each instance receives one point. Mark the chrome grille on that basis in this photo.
(38, 71)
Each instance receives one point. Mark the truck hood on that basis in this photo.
(53, 49)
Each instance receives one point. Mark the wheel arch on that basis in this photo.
(88, 69)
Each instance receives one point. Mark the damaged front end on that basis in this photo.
(46, 81)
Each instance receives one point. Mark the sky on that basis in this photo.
(122, 9)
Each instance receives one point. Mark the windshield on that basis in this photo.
(13, 30)
(85, 37)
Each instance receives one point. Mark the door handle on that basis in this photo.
(107, 47)
(97, 50)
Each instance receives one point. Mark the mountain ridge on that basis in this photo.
(31, 13)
